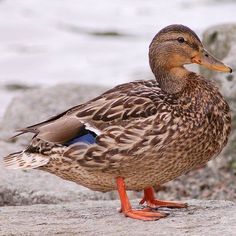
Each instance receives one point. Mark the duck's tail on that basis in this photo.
(24, 160)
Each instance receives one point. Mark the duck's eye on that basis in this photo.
(181, 40)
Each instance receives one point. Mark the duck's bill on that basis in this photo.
(205, 59)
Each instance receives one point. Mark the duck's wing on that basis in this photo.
(118, 106)
(116, 120)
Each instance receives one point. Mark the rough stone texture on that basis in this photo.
(213, 218)
(220, 41)
(39, 104)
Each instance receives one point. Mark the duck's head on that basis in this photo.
(177, 45)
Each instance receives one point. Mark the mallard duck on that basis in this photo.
(139, 134)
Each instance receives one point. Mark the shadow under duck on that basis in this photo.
(139, 134)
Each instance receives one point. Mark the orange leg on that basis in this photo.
(127, 210)
(149, 198)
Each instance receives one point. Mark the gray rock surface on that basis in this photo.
(220, 41)
(36, 105)
(212, 218)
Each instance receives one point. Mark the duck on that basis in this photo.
(140, 134)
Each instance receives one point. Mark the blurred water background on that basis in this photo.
(90, 42)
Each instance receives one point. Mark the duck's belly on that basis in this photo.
(150, 170)
(139, 176)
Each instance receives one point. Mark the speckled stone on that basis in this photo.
(212, 218)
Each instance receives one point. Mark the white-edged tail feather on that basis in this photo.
(24, 160)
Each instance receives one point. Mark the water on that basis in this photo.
(93, 41)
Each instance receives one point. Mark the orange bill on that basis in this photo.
(205, 59)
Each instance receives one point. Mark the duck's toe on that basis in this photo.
(156, 203)
(145, 215)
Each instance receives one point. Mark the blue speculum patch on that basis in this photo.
(86, 138)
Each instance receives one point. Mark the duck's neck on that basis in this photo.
(171, 80)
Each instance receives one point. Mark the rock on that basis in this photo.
(36, 105)
(101, 218)
(220, 41)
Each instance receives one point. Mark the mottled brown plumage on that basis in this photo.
(147, 132)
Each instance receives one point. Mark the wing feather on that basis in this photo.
(116, 106)
(25, 160)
